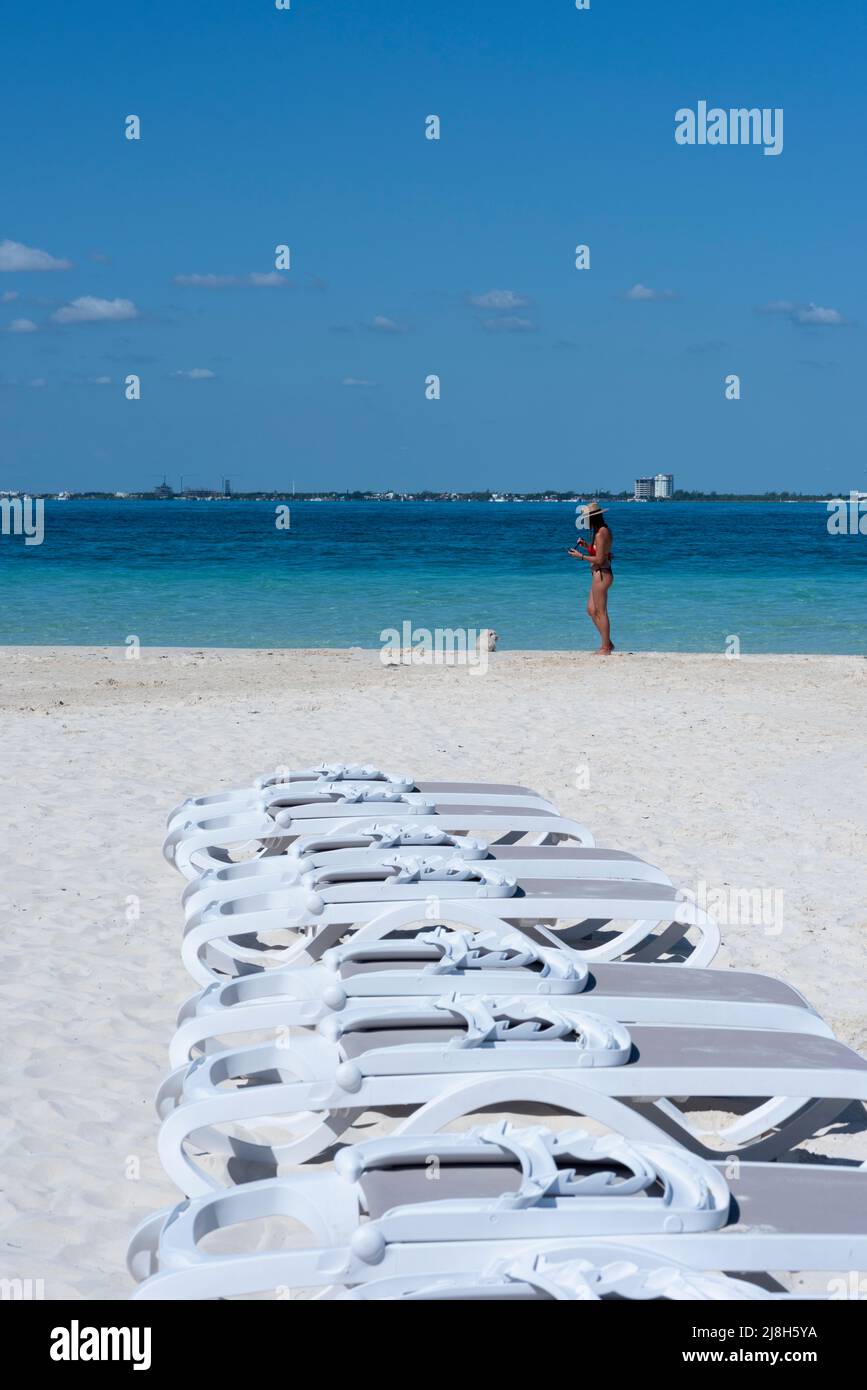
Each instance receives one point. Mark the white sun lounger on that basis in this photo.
(205, 842)
(294, 799)
(415, 1209)
(446, 1058)
(377, 844)
(273, 785)
(589, 1274)
(329, 904)
(497, 959)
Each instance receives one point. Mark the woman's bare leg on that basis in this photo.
(601, 584)
(591, 610)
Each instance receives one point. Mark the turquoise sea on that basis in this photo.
(687, 575)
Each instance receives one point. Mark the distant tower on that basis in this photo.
(227, 487)
(663, 486)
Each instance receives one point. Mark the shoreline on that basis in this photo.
(106, 676)
(42, 647)
(59, 648)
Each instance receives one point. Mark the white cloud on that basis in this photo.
(356, 381)
(381, 324)
(805, 315)
(269, 279)
(196, 374)
(509, 323)
(814, 314)
(22, 326)
(14, 256)
(645, 295)
(38, 381)
(100, 381)
(89, 309)
(499, 299)
(7, 296)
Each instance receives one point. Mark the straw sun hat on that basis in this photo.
(588, 510)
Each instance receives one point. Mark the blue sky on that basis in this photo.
(263, 127)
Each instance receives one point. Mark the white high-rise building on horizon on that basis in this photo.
(663, 486)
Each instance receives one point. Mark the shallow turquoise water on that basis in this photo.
(687, 575)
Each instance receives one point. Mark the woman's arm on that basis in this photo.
(601, 548)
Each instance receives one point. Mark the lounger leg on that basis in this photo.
(789, 1121)
(803, 1124)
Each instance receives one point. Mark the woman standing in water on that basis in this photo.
(599, 558)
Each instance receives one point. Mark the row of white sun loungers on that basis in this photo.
(419, 952)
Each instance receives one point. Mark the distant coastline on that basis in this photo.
(206, 495)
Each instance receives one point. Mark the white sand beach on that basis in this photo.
(744, 774)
